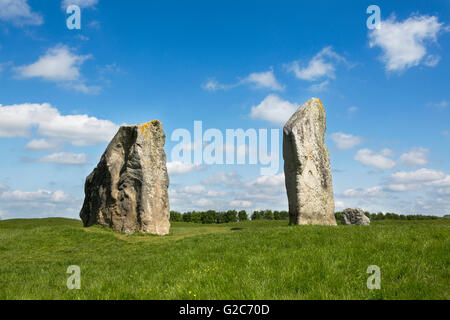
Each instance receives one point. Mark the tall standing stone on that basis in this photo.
(128, 191)
(307, 166)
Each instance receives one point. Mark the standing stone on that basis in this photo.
(307, 167)
(354, 216)
(128, 191)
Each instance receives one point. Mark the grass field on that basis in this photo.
(249, 260)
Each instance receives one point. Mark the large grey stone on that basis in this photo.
(307, 166)
(128, 191)
(354, 216)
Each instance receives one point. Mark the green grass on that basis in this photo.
(259, 260)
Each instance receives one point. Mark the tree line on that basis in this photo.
(212, 216)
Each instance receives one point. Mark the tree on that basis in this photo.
(196, 217)
(187, 216)
(220, 217)
(268, 215)
(176, 216)
(256, 215)
(242, 215)
(209, 217)
(230, 216)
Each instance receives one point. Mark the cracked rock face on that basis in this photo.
(354, 216)
(128, 191)
(307, 168)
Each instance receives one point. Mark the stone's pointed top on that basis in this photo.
(313, 106)
(154, 123)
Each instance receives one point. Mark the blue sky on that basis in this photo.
(242, 64)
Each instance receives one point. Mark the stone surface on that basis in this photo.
(354, 216)
(128, 191)
(307, 167)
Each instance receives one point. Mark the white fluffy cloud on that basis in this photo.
(417, 157)
(320, 66)
(419, 176)
(41, 144)
(415, 180)
(19, 13)
(404, 44)
(178, 167)
(66, 158)
(58, 64)
(40, 195)
(80, 130)
(345, 141)
(274, 110)
(370, 158)
(80, 3)
(264, 80)
(268, 181)
(62, 65)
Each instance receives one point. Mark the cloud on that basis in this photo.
(274, 110)
(178, 168)
(3, 187)
(260, 80)
(414, 180)
(19, 13)
(320, 66)
(65, 158)
(319, 87)
(264, 80)
(404, 44)
(224, 178)
(261, 192)
(268, 181)
(204, 203)
(80, 3)
(213, 85)
(196, 190)
(40, 195)
(59, 64)
(417, 157)
(41, 144)
(80, 130)
(419, 176)
(339, 205)
(441, 105)
(373, 192)
(370, 158)
(345, 141)
(241, 204)
(352, 110)
(387, 152)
